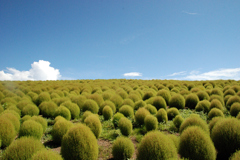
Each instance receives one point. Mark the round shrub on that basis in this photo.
(147, 95)
(226, 98)
(31, 110)
(229, 92)
(90, 105)
(134, 97)
(177, 101)
(196, 144)
(86, 114)
(107, 112)
(159, 102)
(1, 109)
(194, 120)
(73, 108)
(217, 91)
(7, 132)
(123, 148)
(22, 149)
(117, 100)
(31, 128)
(14, 108)
(97, 98)
(156, 145)
(93, 122)
(235, 156)
(214, 96)
(162, 115)
(12, 112)
(125, 126)
(64, 112)
(79, 100)
(128, 102)
(203, 95)
(216, 104)
(46, 155)
(58, 118)
(140, 115)
(165, 94)
(238, 116)
(226, 136)
(151, 108)
(172, 113)
(15, 121)
(107, 103)
(60, 100)
(25, 118)
(177, 121)
(21, 104)
(191, 101)
(150, 122)
(127, 111)
(235, 109)
(215, 112)
(48, 109)
(213, 122)
(175, 139)
(79, 143)
(59, 129)
(116, 118)
(232, 100)
(42, 121)
(122, 93)
(43, 96)
(203, 105)
(139, 104)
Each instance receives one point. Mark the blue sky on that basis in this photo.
(112, 39)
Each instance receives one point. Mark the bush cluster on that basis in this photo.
(140, 115)
(172, 113)
(93, 122)
(59, 129)
(31, 128)
(90, 105)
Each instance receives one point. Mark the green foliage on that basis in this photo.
(123, 148)
(203, 95)
(232, 100)
(127, 111)
(59, 129)
(165, 94)
(150, 122)
(14, 119)
(46, 155)
(79, 143)
(93, 122)
(7, 132)
(229, 92)
(238, 116)
(226, 136)
(43, 96)
(177, 101)
(194, 120)
(107, 112)
(73, 108)
(156, 145)
(159, 102)
(139, 104)
(90, 105)
(117, 100)
(214, 96)
(140, 115)
(116, 118)
(31, 128)
(217, 91)
(42, 121)
(22, 149)
(203, 105)
(86, 114)
(97, 98)
(128, 102)
(25, 118)
(215, 103)
(175, 139)
(212, 123)
(177, 121)
(30, 109)
(196, 144)
(235, 109)
(125, 126)
(147, 95)
(79, 100)
(21, 104)
(215, 112)
(191, 101)
(235, 156)
(151, 109)
(162, 116)
(47, 109)
(107, 103)
(64, 112)
(172, 113)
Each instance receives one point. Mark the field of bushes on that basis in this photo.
(120, 119)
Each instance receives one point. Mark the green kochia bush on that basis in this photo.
(107, 103)
(139, 104)
(235, 156)
(125, 126)
(73, 108)
(177, 101)
(151, 109)
(46, 155)
(116, 118)
(232, 100)
(14, 119)
(64, 112)
(203, 105)
(235, 109)
(128, 102)
(31, 110)
(59, 129)
(191, 101)
(123, 148)
(165, 94)
(159, 102)
(90, 105)
(162, 115)
(25, 118)
(215, 103)
(107, 112)
(42, 121)
(226, 136)
(44, 96)
(194, 120)
(172, 113)
(175, 139)
(215, 112)
(79, 143)
(86, 114)
(48, 109)
(202, 95)
(93, 122)
(117, 100)
(22, 149)
(31, 128)
(177, 121)
(213, 122)
(196, 144)
(156, 145)
(140, 115)
(127, 111)
(7, 132)
(151, 122)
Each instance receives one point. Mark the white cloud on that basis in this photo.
(190, 13)
(178, 73)
(132, 74)
(40, 70)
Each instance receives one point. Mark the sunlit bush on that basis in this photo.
(93, 122)
(177, 101)
(215, 112)
(191, 101)
(203, 105)
(150, 122)
(127, 111)
(90, 105)
(125, 126)
(123, 148)
(31, 128)
(64, 112)
(31, 110)
(107, 112)
(46, 155)
(151, 109)
(7, 132)
(172, 113)
(140, 115)
(162, 115)
(235, 109)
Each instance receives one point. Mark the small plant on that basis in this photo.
(125, 126)
(213, 122)
(48, 109)
(107, 103)
(127, 111)
(86, 114)
(14, 120)
(177, 121)
(129, 102)
(150, 122)
(215, 112)
(107, 112)
(25, 118)
(156, 145)
(90, 105)
(203, 105)
(123, 148)
(191, 101)
(232, 100)
(175, 139)
(196, 144)
(148, 95)
(43, 96)
(64, 112)
(31, 110)
(140, 115)
(79, 143)
(117, 100)
(73, 108)
(93, 122)
(159, 102)
(42, 121)
(177, 101)
(139, 104)
(46, 155)
(215, 103)
(7, 132)
(235, 109)
(116, 119)
(31, 128)
(165, 94)
(162, 116)
(172, 113)
(235, 156)
(203, 95)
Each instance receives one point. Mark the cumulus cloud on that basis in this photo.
(132, 74)
(178, 73)
(40, 70)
